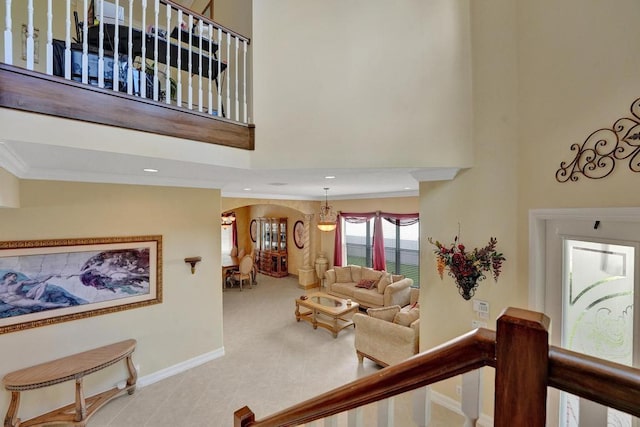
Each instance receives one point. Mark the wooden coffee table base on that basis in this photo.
(329, 318)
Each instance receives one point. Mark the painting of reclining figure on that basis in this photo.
(44, 282)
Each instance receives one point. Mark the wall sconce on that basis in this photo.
(193, 261)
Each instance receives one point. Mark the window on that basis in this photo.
(401, 246)
(226, 235)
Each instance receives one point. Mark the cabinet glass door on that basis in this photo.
(283, 236)
(274, 234)
(266, 229)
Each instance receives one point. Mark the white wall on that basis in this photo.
(9, 190)
(362, 83)
(187, 324)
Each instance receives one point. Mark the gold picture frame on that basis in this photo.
(43, 282)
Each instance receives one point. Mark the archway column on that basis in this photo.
(307, 274)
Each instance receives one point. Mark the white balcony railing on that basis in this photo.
(153, 49)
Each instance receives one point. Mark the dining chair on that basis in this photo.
(234, 251)
(244, 271)
(241, 253)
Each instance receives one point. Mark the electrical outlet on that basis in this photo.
(478, 324)
(483, 316)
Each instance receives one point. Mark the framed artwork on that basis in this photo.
(298, 234)
(49, 281)
(253, 230)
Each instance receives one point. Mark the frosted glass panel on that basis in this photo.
(597, 312)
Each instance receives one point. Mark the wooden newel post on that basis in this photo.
(243, 417)
(522, 355)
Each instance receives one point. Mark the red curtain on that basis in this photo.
(337, 246)
(234, 231)
(379, 261)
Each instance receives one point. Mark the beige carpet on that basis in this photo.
(270, 362)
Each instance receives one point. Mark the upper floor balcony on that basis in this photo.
(148, 65)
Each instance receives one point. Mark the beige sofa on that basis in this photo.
(388, 335)
(389, 289)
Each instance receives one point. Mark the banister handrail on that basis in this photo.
(608, 383)
(458, 356)
(525, 366)
(206, 20)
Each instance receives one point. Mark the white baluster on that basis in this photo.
(385, 412)
(354, 417)
(101, 46)
(190, 97)
(218, 79)
(8, 40)
(210, 97)
(49, 69)
(167, 77)
(67, 44)
(156, 82)
(471, 397)
(200, 67)
(422, 406)
(236, 83)
(30, 35)
(228, 115)
(244, 82)
(130, 51)
(179, 64)
(331, 421)
(143, 65)
(85, 45)
(592, 414)
(116, 53)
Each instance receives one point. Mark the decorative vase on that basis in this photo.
(321, 266)
(467, 285)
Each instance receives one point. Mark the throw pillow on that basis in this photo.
(371, 274)
(406, 318)
(384, 281)
(367, 284)
(384, 313)
(396, 278)
(343, 274)
(356, 273)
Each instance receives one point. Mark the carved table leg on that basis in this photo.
(133, 375)
(11, 420)
(81, 406)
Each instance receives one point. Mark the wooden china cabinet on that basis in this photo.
(271, 256)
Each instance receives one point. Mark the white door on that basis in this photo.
(592, 285)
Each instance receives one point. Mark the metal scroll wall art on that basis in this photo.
(597, 156)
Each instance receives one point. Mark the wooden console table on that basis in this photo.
(73, 367)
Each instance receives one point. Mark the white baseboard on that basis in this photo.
(454, 406)
(179, 368)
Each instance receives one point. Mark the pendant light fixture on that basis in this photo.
(327, 220)
(227, 219)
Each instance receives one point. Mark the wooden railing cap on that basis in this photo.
(522, 317)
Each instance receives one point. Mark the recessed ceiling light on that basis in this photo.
(407, 188)
(329, 177)
(247, 189)
(150, 170)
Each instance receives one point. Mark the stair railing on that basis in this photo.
(525, 366)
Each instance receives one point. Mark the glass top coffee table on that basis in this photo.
(326, 311)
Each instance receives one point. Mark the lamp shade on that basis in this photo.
(326, 226)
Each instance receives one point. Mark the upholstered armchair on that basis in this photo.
(388, 335)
